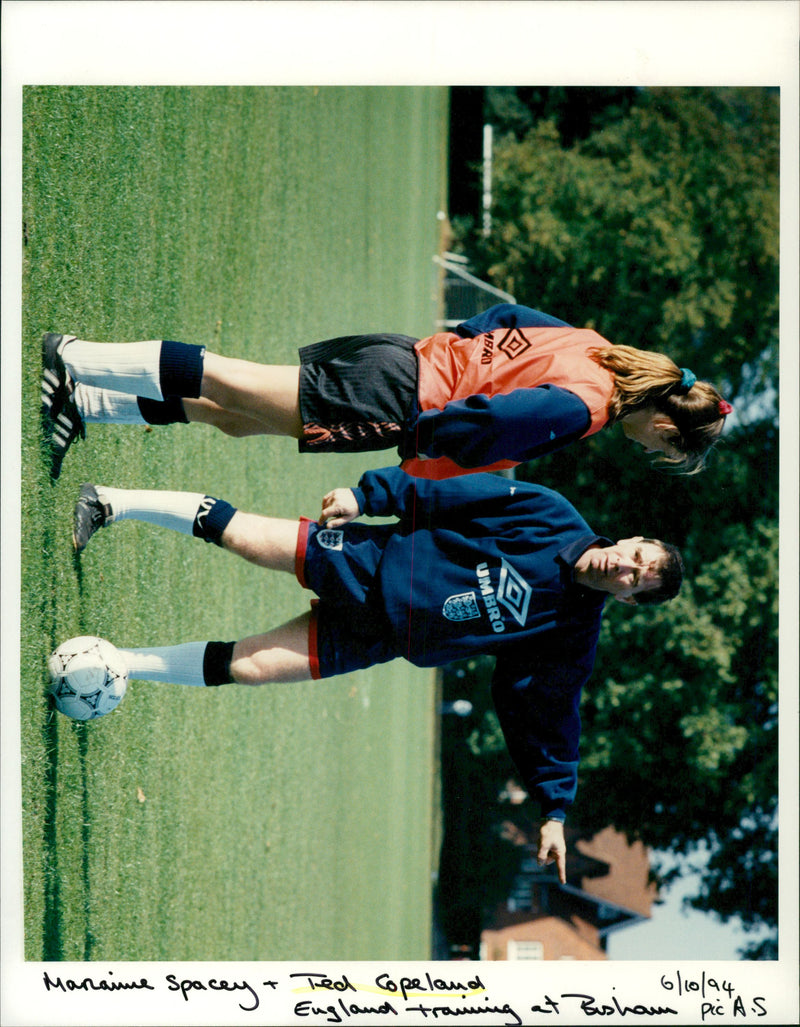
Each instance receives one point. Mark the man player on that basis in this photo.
(473, 565)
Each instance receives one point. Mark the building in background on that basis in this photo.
(608, 889)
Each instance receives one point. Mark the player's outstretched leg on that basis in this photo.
(190, 513)
(269, 542)
(279, 655)
(159, 382)
(160, 369)
(68, 405)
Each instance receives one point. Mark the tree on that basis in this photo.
(741, 879)
(577, 111)
(680, 719)
(679, 733)
(739, 485)
(659, 229)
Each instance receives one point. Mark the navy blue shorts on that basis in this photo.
(357, 393)
(349, 628)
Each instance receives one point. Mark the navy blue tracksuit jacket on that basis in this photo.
(484, 565)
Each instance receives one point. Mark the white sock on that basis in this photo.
(131, 367)
(174, 510)
(175, 664)
(104, 406)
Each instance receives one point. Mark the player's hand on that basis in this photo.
(338, 507)
(553, 847)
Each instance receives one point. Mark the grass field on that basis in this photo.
(287, 822)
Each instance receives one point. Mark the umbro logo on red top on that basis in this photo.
(512, 343)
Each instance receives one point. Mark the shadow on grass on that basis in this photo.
(52, 946)
(86, 830)
(53, 941)
(82, 735)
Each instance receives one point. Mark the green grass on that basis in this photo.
(294, 821)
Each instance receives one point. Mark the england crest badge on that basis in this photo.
(330, 538)
(461, 607)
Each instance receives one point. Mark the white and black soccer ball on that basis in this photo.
(88, 677)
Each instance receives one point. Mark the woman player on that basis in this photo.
(504, 387)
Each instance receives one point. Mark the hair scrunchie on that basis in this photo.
(688, 378)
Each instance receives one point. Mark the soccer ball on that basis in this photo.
(88, 677)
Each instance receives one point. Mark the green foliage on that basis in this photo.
(679, 742)
(687, 747)
(659, 230)
(680, 716)
(741, 878)
(687, 752)
(577, 110)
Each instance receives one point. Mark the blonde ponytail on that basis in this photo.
(640, 377)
